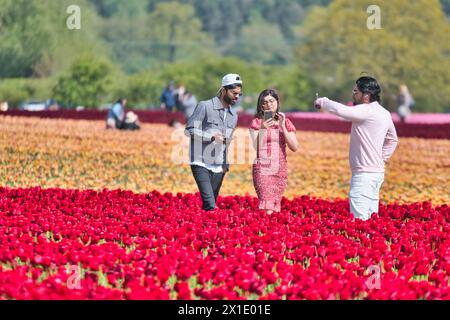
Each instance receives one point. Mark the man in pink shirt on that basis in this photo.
(372, 142)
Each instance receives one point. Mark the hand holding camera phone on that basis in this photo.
(268, 120)
(268, 115)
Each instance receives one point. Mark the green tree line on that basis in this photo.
(133, 48)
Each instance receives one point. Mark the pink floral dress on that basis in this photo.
(270, 166)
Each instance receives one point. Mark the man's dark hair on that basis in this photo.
(121, 100)
(369, 85)
(233, 86)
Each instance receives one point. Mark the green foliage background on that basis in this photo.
(133, 48)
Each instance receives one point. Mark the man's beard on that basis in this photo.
(228, 100)
(355, 102)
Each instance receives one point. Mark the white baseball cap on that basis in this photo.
(231, 78)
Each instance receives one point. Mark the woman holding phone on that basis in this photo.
(271, 131)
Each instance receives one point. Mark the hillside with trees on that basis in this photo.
(298, 46)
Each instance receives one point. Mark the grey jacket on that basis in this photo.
(206, 121)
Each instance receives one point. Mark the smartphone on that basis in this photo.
(268, 115)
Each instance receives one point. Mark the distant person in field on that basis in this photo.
(178, 95)
(405, 103)
(271, 132)
(168, 98)
(52, 105)
(4, 106)
(188, 104)
(118, 119)
(211, 129)
(372, 142)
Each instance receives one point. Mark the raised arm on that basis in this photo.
(356, 113)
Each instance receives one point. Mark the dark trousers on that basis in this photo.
(129, 126)
(209, 184)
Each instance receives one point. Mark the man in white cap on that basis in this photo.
(211, 128)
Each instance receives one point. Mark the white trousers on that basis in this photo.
(364, 193)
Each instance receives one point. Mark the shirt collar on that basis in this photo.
(218, 105)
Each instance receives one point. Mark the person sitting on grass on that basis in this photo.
(118, 119)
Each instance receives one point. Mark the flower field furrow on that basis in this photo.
(83, 155)
(78, 220)
(73, 244)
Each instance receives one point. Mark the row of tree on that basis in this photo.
(140, 34)
(91, 81)
(135, 47)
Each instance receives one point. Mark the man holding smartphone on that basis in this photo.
(211, 128)
(372, 142)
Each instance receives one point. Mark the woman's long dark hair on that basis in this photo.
(259, 108)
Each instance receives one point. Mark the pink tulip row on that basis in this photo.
(70, 244)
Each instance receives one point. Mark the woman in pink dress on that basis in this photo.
(270, 138)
